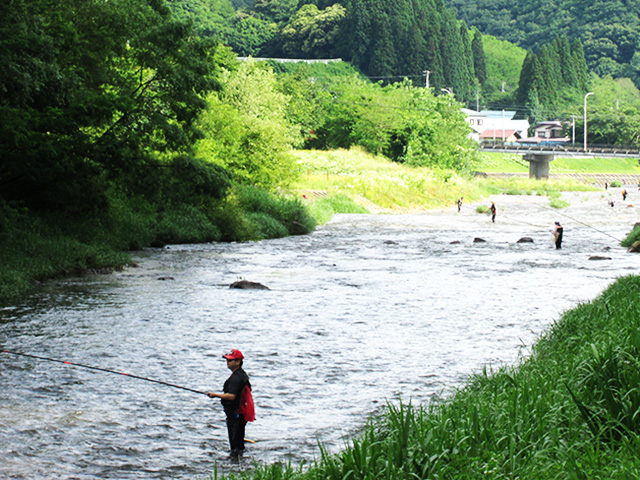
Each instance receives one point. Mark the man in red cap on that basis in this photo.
(230, 400)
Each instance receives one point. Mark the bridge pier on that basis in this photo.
(539, 164)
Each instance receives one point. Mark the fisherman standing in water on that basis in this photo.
(460, 204)
(492, 209)
(230, 398)
(557, 235)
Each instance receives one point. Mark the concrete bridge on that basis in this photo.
(539, 156)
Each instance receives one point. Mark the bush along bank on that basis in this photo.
(571, 410)
(39, 246)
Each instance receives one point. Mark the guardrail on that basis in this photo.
(568, 150)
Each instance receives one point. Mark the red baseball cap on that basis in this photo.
(234, 355)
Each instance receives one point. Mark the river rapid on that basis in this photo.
(366, 310)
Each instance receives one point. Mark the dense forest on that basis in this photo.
(608, 29)
(430, 43)
(386, 41)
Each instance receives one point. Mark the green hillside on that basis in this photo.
(608, 29)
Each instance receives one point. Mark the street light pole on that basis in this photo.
(585, 120)
(426, 74)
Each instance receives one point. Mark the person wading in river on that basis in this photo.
(233, 390)
(557, 235)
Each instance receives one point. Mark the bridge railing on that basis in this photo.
(557, 147)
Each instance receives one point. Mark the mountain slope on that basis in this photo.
(609, 29)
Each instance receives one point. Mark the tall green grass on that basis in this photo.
(325, 208)
(388, 185)
(571, 410)
(632, 238)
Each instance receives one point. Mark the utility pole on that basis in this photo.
(573, 130)
(426, 74)
(585, 119)
(477, 100)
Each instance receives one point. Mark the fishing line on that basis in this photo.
(578, 221)
(520, 221)
(99, 369)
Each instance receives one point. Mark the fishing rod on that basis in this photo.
(99, 369)
(576, 220)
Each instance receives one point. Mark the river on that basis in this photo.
(368, 309)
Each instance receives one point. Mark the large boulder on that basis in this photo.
(247, 285)
(525, 240)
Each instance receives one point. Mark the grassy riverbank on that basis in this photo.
(38, 247)
(568, 411)
(382, 186)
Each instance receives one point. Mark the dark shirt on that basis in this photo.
(234, 384)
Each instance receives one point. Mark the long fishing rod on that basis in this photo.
(89, 367)
(576, 220)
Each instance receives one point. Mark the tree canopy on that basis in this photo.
(552, 79)
(609, 30)
(93, 90)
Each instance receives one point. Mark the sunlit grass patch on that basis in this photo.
(389, 185)
(595, 165)
(531, 186)
(492, 162)
(324, 208)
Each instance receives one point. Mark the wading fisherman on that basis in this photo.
(557, 235)
(460, 203)
(230, 398)
(492, 209)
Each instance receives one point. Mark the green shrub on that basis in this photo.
(290, 212)
(616, 183)
(632, 238)
(269, 227)
(184, 224)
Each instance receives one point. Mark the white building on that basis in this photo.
(497, 121)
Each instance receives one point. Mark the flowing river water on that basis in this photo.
(366, 310)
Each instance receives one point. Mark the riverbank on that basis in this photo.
(41, 246)
(570, 410)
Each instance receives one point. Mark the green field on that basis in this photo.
(512, 163)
